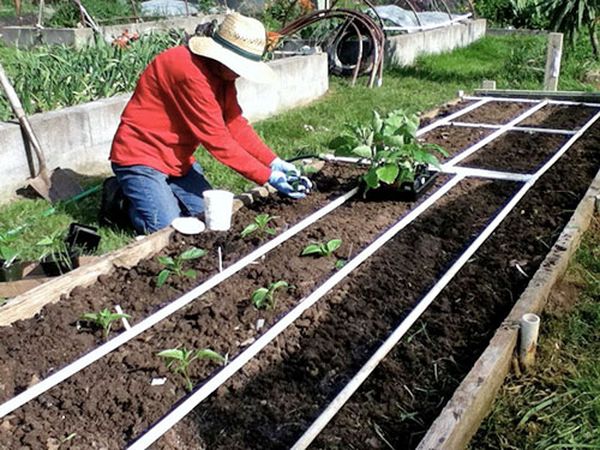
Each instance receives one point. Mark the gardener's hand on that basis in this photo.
(301, 184)
(280, 182)
(287, 168)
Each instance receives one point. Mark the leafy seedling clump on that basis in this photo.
(178, 361)
(264, 298)
(260, 225)
(104, 319)
(174, 266)
(322, 249)
(391, 148)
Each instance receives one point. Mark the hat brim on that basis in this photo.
(256, 71)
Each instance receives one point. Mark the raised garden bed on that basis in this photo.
(278, 393)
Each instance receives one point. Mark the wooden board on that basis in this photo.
(551, 95)
(471, 402)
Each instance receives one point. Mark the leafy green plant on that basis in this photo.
(390, 146)
(55, 249)
(7, 252)
(322, 249)
(340, 263)
(259, 225)
(178, 360)
(571, 16)
(265, 297)
(174, 266)
(104, 319)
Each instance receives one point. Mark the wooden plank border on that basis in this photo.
(31, 302)
(471, 402)
(575, 96)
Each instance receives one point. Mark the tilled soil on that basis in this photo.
(518, 151)
(495, 113)
(408, 390)
(562, 117)
(455, 139)
(275, 397)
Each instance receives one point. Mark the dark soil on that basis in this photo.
(57, 328)
(495, 113)
(517, 151)
(455, 139)
(223, 319)
(445, 111)
(408, 390)
(272, 400)
(565, 117)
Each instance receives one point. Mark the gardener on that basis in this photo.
(186, 97)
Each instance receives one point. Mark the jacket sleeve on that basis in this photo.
(203, 115)
(242, 131)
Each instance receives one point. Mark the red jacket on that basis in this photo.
(180, 103)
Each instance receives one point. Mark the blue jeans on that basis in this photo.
(156, 198)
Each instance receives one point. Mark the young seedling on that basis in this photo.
(174, 266)
(259, 225)
(322, 249)
(265, 297)
(178, 360)
(340, 263)
(104, 319)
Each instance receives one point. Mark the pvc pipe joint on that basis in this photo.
(529, 331)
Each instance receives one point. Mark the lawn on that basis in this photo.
(515, 62)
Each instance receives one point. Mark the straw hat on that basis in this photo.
(238, 43)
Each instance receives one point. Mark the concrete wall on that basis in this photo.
(79, 137)
(79, 37)
(403, 50)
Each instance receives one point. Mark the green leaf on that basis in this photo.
(191, 273)
(192, 253)
(333, 245)
(340, 263)
(271, 231)
(45, 241)
(278, 285)
(207, 353)
(362, 151)
(371, 178)
(166, 261)
(388, 173)
(343, 145)
(311, 249)
(376, 122)
(259, 296)
(249, 230)
(172, 353)
(162, 277)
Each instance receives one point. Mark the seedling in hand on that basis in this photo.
(174, 266)
(178, 360)
(260, 225)
(104, 319)
(322, 249)
(265, 297)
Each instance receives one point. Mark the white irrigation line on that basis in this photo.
(490, 174)
(178, 413)
(94, 355)
(332, 409)
(451, 117)
(411, 29)
(531, 100)
(525, 129)
(500, 131)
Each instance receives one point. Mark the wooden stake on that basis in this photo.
(553, 58)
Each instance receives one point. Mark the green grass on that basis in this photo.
(432, 81)
(559, 406)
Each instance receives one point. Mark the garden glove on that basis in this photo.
(301, 184)
(280, 182)
(287, 168)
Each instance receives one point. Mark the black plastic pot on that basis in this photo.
(54, 265)
(13, 272)
(82, 238)
(405, 192)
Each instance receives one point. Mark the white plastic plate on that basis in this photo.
(188, 225)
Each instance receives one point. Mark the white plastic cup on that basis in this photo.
(218, 207)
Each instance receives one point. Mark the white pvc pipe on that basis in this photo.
(525, 129)
(317, 426)
(429, 27)
(175, 415)
(529, 331)
(494, 135)
(97, 353)
(451, 117)
(490, 174)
